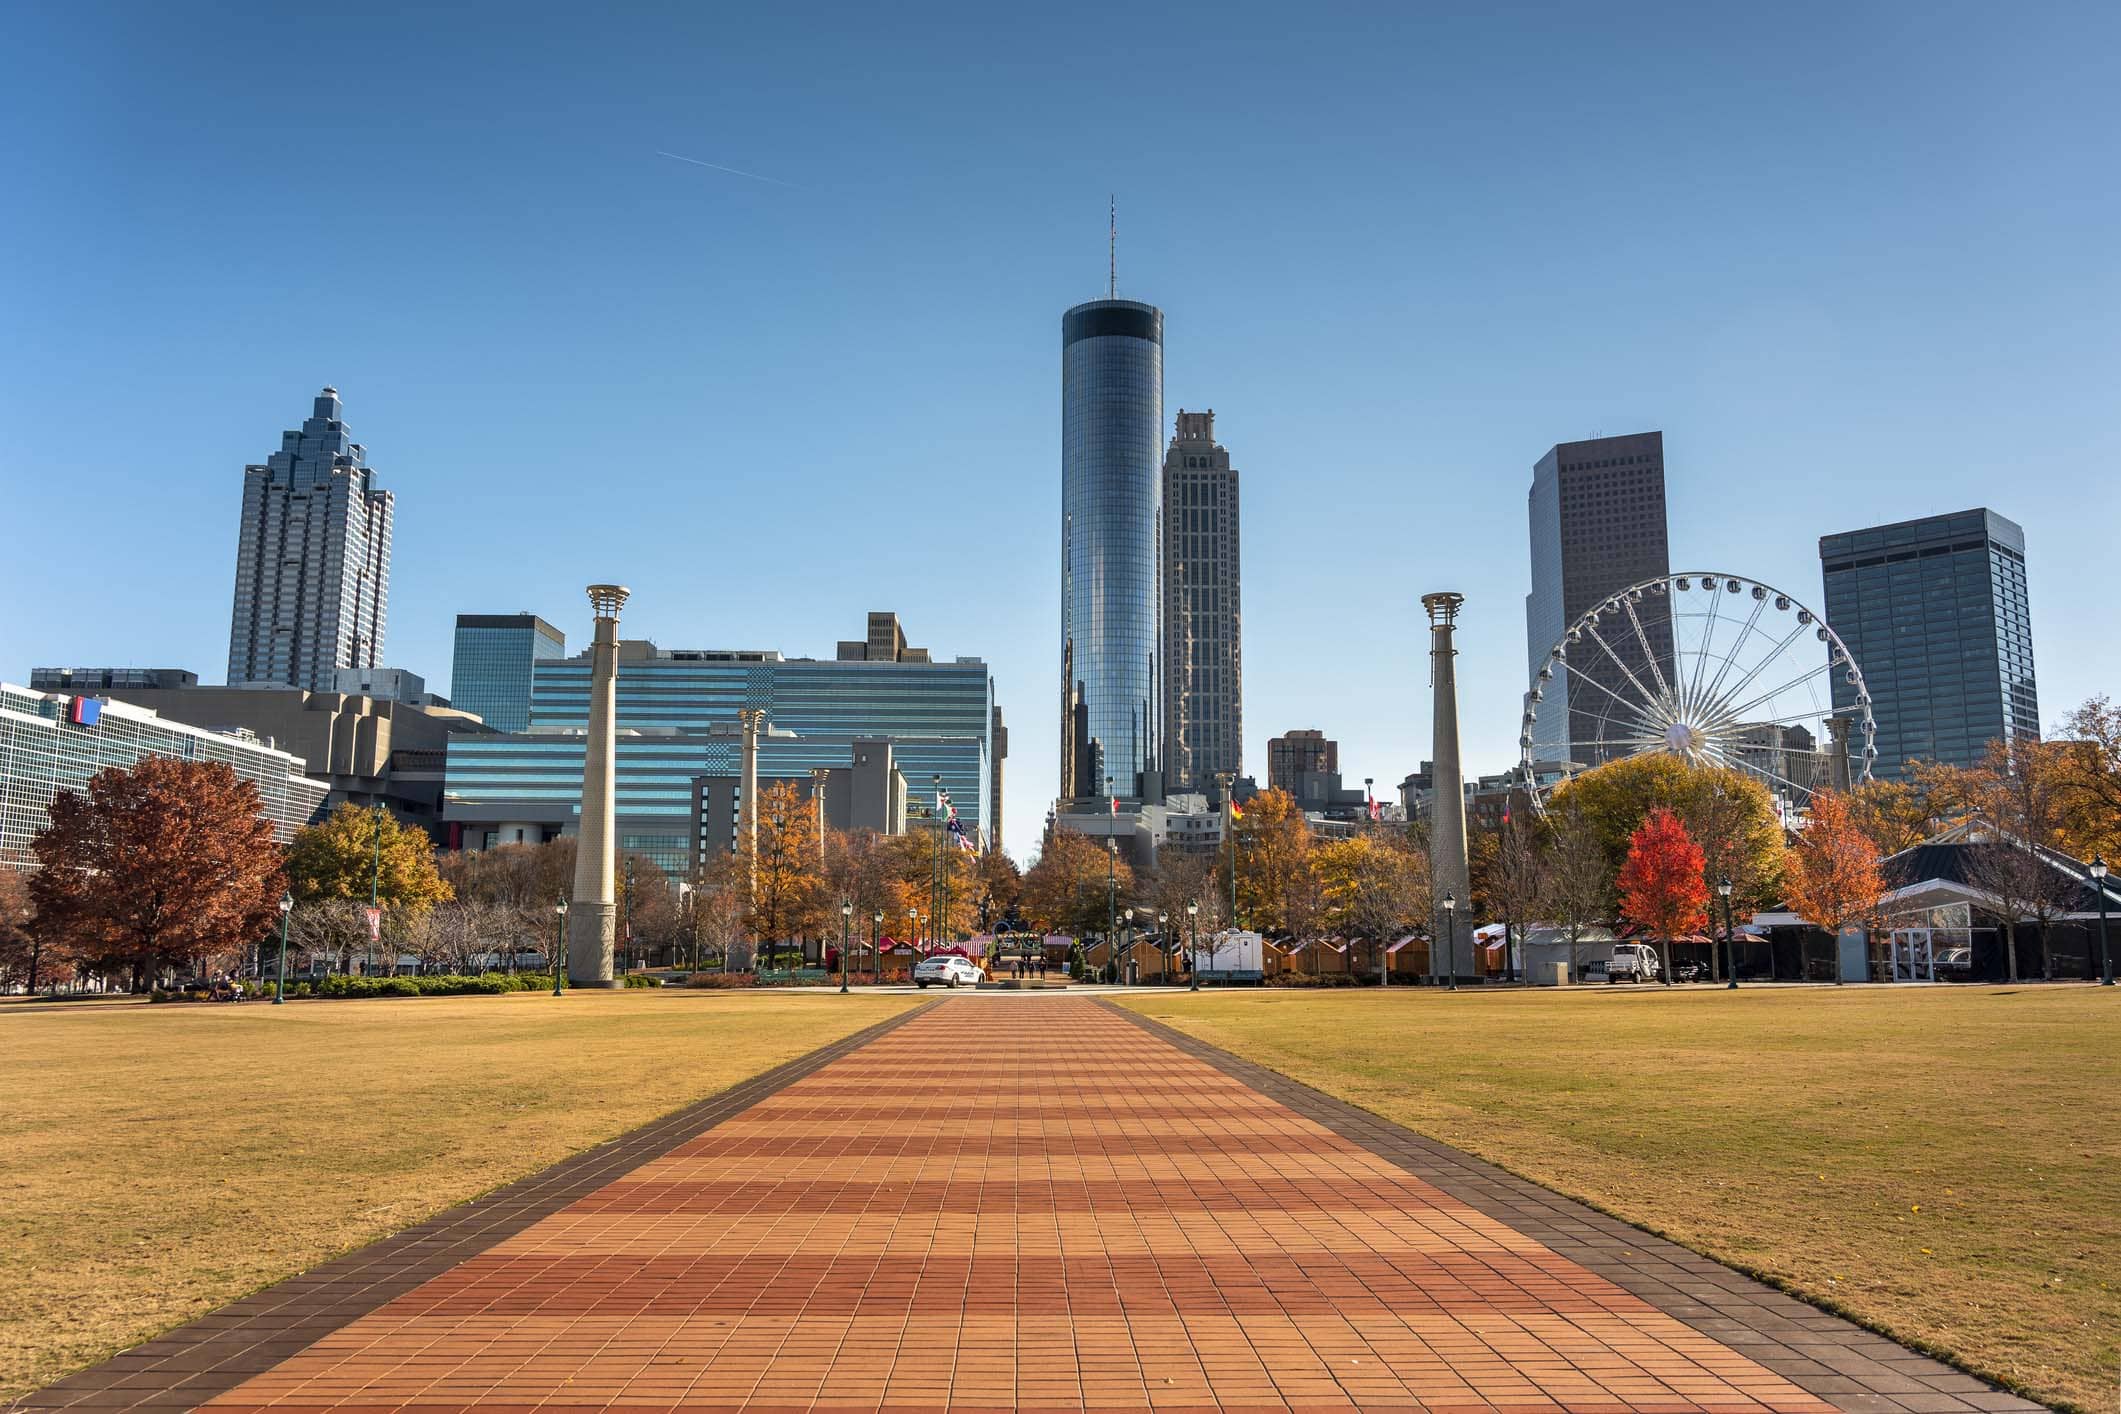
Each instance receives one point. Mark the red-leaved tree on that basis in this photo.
(1662, 884)
(160, 865)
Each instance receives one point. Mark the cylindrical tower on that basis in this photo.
(591, 921)
(1112, 417)
(1451, 952)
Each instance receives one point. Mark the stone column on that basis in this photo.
(1448, 955)
(753, 720)
(591, 917)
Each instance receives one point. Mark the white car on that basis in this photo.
(1632, 962)
(950, 970)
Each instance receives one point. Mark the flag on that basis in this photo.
(1115, 807)
(1377, 810)
(1237, 812)
(958, 836)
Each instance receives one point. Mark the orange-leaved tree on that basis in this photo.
(162, 865)
(1276, 889)
(1662, 886)
(785, 870)
(1833, 879)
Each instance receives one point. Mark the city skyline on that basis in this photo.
(1391, 341)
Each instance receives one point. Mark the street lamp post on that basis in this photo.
(287, 909)
(375, 889)
(2106, 959)
(913, 935)
(1193, 963)
(846, 918)
(876, 959)
(1163, 940)
(629, 915)
(1112, 905)
(1730, 937)
(1129, 973)
(559, 947)
(1450, 932)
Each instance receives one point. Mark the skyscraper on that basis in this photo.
(1203, 666)
(1597, 519)
(312, 559)
(1112, 414)
(491, 669)
(1936, 615)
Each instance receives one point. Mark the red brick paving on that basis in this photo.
(971, 1213)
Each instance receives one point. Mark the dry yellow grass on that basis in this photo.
(1941, 1163)
(159, 1161)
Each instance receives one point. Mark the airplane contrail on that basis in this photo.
(718, 167)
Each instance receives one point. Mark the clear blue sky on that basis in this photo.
(1858, 262)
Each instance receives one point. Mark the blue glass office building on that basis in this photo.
(1936, 614)
(490, 671)
(1112, 416)
(677, 720)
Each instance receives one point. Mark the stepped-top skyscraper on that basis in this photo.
(1112, 418)
(1203, 664)
(1598, 526)
(312, 559)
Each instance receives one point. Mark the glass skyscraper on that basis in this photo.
(312, 559)
(51, 742)
(677, 721)
(490, 670)
(1936, 614)
(1112, 417)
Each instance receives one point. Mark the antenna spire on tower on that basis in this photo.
(1112, 249)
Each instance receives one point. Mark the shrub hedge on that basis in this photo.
(337, 987)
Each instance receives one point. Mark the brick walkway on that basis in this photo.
(970, 1212)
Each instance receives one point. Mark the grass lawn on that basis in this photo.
(1941, 1163)
(159, 1161)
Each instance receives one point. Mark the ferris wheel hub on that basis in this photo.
(1682, 739)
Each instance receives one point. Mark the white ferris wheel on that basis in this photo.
(1716, 669)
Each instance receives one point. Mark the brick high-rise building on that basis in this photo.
(1293, 755)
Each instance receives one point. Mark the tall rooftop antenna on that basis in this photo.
(1112, 249)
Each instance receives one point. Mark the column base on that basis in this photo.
(591, 929)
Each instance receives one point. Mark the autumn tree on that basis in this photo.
(1662, 886)
(2014, 795)
(1833, 881)
(1000, 881)
(715, 921)
(339, 858)
(916, 860)
(1735, 816)
(784, 870)
(1578, 883)
(1893, 815)
(1066, 887)
(2087, 779)
(158, 865)
(23, 957)
(1373, 886)
(1181, 879)
(1275, 889)
(863, 869)
(1515, 882)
